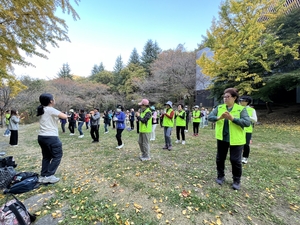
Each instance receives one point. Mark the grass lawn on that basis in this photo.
(100, 183)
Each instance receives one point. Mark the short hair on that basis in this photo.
(233, 92)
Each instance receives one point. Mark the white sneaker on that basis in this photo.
(106, 132)
(51, 179)
(120, 146)
(177, 141)
(244, 160)
(41, 179)
(80, 136)
(183, 142)
(72, 134)
(186, 131)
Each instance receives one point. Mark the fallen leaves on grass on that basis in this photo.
(185, 193)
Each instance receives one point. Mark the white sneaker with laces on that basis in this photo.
(244, 160)
(177, 141)
(72, 134)
(183, 142)
(41, 179)
(51, 179)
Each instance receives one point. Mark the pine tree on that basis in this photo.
(117, 70)
(65, 72)
(97, 69)
(134, 57)
(150, 53)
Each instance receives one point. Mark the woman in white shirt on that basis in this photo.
(48, 138)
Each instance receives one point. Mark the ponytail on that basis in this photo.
(40, 110)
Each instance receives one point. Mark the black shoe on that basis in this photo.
(236, 185)
(220, 180)
(95, 141)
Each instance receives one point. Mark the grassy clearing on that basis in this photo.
(103, 184)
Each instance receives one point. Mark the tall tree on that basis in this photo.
(134, 57)
(18, 33)
(244, 52)
(119, 65)
(65, 72)
(149, 54)
(97, 69)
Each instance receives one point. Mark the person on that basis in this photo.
(72, 122)
(87, 120)
(7, 116)
(154, 122)
(202, 119)
(180, 118)
(187, 117)
(196, 115)
(131, 118)
(113, 121)
(246, 101)
(94, 120)
(145, 127)
(206, 117)
(119, 118)
(137, 122)
(48, 138)
(230, 118)
(81, 119)
(63, 124)
(106, 121)
(168, 124)
(13, 126)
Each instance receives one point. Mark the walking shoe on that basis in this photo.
(145, 159)
(51, 179)
(106, 132)
(170, 148)
(236, 185)
(165, 147)
(41, 179)
(220, 180)
(186, 131)
(120, 146)
(177, 141)
(71, 134)
(244, 160)
(95, 141)
(81, 136)
(183, 142)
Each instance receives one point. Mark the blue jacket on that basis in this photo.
(120, 123)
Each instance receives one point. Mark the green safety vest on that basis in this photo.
(237, 134)
(145, 127)
(179, 121)
(167, 122)
(197, 114)
(250, 113)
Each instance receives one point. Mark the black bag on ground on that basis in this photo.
(23, 184)
(6, 176)
(15, 212)
(8, 161)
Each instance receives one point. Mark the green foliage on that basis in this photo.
(244, 51)
(97, 69)
(149, 54)
(65, 72)
(104, 77)
(134, 57)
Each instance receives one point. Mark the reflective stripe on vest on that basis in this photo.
(237, 134)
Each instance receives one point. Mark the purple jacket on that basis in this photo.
(120, 123)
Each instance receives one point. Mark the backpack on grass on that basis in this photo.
(23, 182)
(6, 176)
(8, 161)
(14, 212)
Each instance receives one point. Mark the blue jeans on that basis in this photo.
(168, 131)
(7, 131)
(52, 153)
(80, 124)
(105, 127)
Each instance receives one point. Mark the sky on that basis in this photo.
(110, 28)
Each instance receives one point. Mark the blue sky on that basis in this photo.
(109, 28)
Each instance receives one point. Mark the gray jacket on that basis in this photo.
(14, 123)
(95, 119)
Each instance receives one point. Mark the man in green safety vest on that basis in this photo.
(145, 128)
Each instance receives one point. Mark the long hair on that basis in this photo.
(45, 100)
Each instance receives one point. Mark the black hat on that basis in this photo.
(246, 98)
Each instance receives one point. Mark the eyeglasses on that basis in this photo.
(227, 96)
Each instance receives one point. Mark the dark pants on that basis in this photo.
(235, 159)
(13, 137)
(63, 127)
(132, 124)
(71, 127)
(137, 127)
(119, 136)
(196, 127)
(246, 151)
(95, 132)
(180, 130)
(52, 154)
(187, 125)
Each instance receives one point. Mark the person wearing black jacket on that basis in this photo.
(72, 122)
(81, 118)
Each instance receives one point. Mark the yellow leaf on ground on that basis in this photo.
(158, 216)
(117, 216)
(154, 201)
(137, 206)
(249, 218)
(219, 221)
(183, 212)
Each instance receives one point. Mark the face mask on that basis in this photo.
(118, 110)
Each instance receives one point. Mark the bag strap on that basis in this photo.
(32, 216)
(14, 209)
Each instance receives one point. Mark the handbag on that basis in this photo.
(6, 176)
(14, 212)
